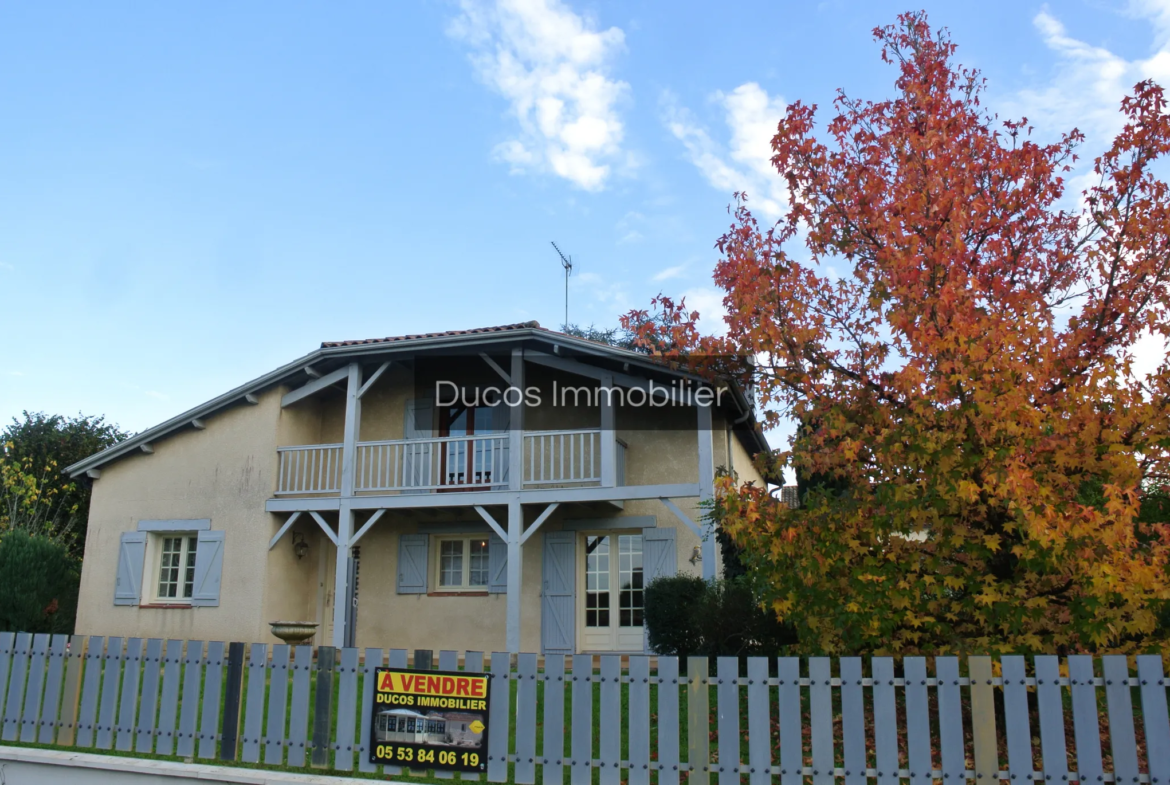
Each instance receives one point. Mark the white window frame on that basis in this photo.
(437, 563)
(153, 572)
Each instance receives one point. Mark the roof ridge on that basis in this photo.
(529, 325)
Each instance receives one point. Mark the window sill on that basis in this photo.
(457, 593)
(167, 605)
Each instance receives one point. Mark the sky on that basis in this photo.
(194, 193)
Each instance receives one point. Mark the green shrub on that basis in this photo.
(686, 615)
(39, 581)
(672, 623)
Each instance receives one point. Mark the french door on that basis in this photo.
(610, 610)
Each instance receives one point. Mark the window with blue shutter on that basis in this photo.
(131, 560)
(412, 563)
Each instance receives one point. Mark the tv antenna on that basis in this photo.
(567, 263)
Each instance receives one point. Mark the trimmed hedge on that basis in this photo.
(686, 616)
(39, 582)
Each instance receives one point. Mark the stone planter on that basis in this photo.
(294, 632)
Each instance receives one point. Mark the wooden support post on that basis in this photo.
(342, 585)
(516, 423)
(707, 490)
(323, 707)
(515, 524)
(608, 433)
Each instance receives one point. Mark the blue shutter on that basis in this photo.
(131, 559)
(497, 565)
(208, 568)
(659, 554)
(412, 563)
(558, 628)
(660, 559)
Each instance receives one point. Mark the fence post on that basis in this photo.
(983, 720)
(323, 706)
(230, 730)
(67, 727)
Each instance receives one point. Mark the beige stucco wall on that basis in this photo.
(224, 473)
(227, 473)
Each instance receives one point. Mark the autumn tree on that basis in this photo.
(952, 326)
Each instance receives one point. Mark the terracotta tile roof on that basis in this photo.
(503, 328)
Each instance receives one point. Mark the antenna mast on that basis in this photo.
(567, 263)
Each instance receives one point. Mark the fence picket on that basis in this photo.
(210, 700)
(131, 673)
(1119, 702)
(254, 703)
(87, 719)
(525, 771)
(820, 699)
(852, 721)
(448, 661)
(1053, 749)
(917, 721)
(148, 709)
(473, 663)
(111, 675)
(31, 713)
(1154, 717)
(1017, 727)
(885, 721)
(983, 719)
(233, 697)
(7, 647)
(1086, 729)
(950, 718)
(71, 692)
(374, 659)
(553, 743)
(51, 706)
(189, 713)
(668, 721)
(638, 720)
(277, 705)
(168, 709)
(698, 722)
(16, 681)
(582, 722)
(609, 726)
(727, 706)
(790, 720)
(398, 659)
(758, 731)
(298, 719)
(498, 719)
(347, 703)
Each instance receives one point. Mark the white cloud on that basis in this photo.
(669, 272)
(709, 303)
(745, 162)
(6, 266)
(157, 395)
(16, 373)
(553, 67)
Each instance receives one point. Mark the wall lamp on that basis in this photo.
(300, 547)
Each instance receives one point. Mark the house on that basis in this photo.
(506, 488)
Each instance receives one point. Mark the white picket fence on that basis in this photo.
(756, 721)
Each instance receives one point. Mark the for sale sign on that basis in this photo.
(430, 719)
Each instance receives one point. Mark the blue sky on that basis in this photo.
(193, 193)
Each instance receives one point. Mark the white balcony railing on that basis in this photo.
(551, 458)
(452, 462)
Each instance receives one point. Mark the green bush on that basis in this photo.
(686, 615)
(672, 623)
(39, 581)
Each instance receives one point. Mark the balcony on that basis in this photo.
(566, 458)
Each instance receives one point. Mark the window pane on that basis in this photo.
(189, 576)
(451, 563)
(477, 567)
(630, 580)
(168, 570)
(597, 581)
